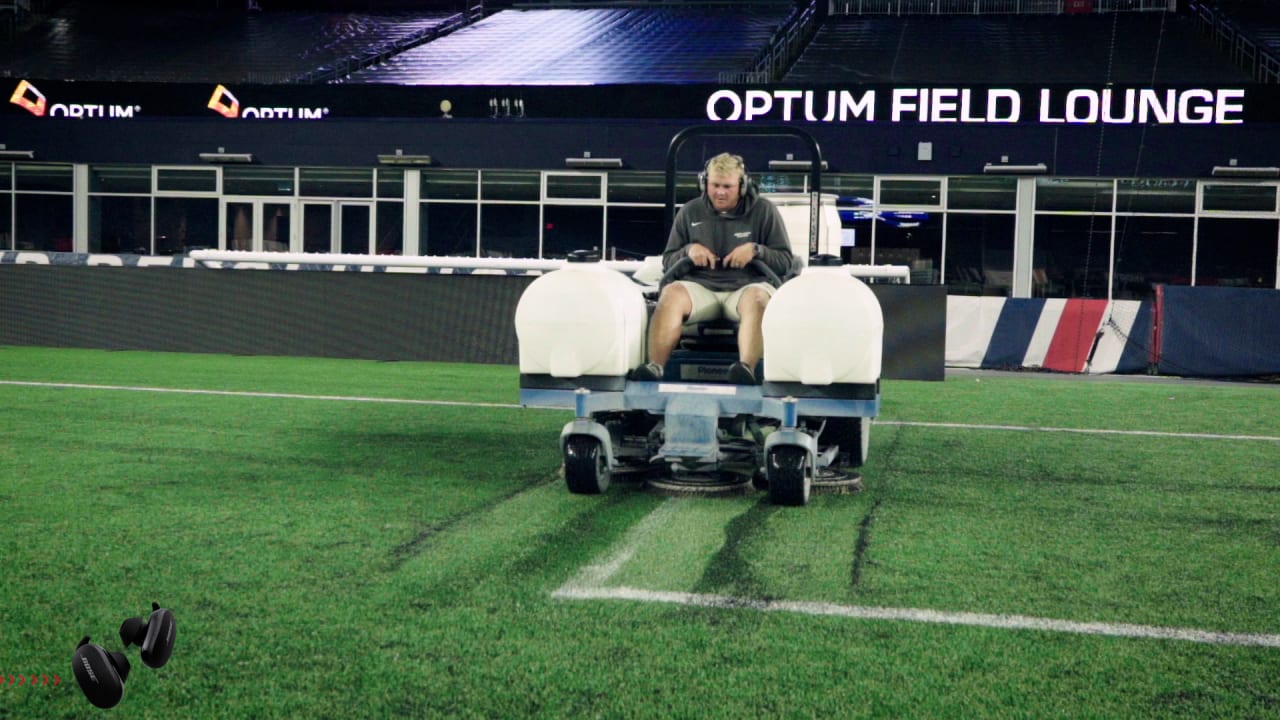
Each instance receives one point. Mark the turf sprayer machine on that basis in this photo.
(805, 428)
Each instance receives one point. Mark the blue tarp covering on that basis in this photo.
(1220, 332)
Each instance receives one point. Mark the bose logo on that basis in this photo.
(88, 668)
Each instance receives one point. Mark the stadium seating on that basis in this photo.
(566, 46)
(1120, 47)
(88, 41)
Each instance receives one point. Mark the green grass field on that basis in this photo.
(337, 557)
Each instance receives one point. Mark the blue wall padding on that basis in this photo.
(1220, 331)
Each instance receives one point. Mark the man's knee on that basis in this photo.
(675, 298)
(753, 301)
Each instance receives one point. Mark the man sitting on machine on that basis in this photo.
(721, 232)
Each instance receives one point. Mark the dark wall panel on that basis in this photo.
(374, 316)
(381, 316)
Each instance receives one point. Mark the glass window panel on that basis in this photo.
(510, 185)
(449, 184)
(257, 180)
(447, 229)
(6, 176)
(184, 224)
(979, 254)
(911, 192)
(982, 193)
(317, 227)
(637, 186)
(391, 183)
(635, 232)
(354, 229)
(1156, 195)
(862, 186)
(509, 231)
(566, 228)
(120, 179)
(390, 228)
(1236, 252)
(187, 180)
(6, 222)
(44, 178)
(1260, 198)
(277, 227)
(780, 182)
(238, 227)
(918, 247)
(43, 222)
(573, 187)
(336, 182)
(1071, 256)
(1086, 194)
(120, 224)
(1151, 251)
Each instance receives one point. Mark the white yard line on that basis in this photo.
(240, 393)
(589, 584)
(1003, 622)
(516, 406)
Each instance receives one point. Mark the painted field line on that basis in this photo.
(245, 393)
(516, 406)
(1082, 431)
(588, 584)
(1004, 622)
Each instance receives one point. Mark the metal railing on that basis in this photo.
(771, 63)
(1261, 62)
(996, 7)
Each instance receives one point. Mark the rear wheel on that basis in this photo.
(852, 434)
(788, 473)
(586, 467)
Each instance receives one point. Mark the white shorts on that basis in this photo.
(715, 304)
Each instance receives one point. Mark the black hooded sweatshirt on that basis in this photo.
(754, 220)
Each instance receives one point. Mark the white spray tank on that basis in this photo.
(582, 319)
(823, 327)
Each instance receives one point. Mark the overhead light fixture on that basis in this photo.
(1244, 171)
(7, 154)
(794, 165)
(400, 158)
(1008, 169)
(586, 161)
(222, 156)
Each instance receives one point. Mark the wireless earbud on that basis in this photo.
(155, 635)
(101, 674)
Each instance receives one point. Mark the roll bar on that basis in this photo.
(697, 131)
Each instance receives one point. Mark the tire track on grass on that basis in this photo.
(728, 570)
(406, 551)
(864, 541)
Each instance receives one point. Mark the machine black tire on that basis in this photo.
(586, 467)
(852, 434)
(787, 470)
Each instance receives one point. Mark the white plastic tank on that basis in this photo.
(823, 327)
(583, 319)
(794, 208)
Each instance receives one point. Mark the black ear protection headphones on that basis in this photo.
(739, 162)
(101, 674)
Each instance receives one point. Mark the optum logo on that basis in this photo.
(225, 103)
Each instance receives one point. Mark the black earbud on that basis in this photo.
(101, 674)
(155, 635)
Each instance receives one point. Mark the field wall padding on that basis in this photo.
(1219, 331)
(359, 315)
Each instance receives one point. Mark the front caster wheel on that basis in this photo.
(788, 473)
(586, 467)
